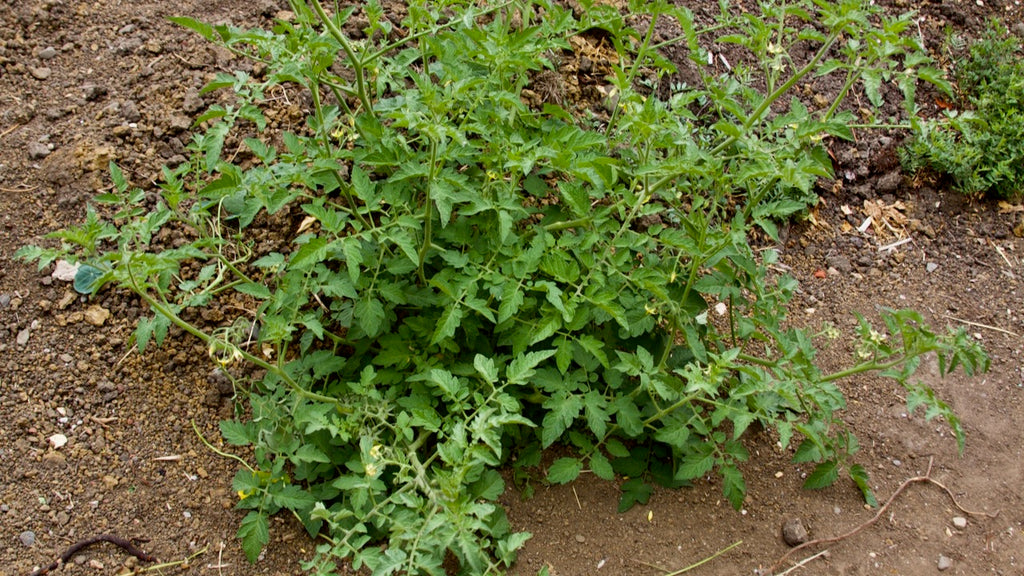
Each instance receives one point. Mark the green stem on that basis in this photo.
(641, 55)
(354, 61)
(428, 214)
(775, 95)
(164, 310)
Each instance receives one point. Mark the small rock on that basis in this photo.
(581, 538)
(840, 263)
(96, 315)
(94, 91)
(40, 73)
(960, 522)
(944, 563)
(889, 183)
(58, 441)
(179, 124)
(793, 532)
(931, 267)
(22, 337)
(38, 150)
(5, 300)
(28, 538)
(65, 271)
(130, 111)
(47, 53)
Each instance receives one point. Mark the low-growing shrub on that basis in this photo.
(979, 145)
(469, 277)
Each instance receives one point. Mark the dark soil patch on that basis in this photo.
(85, 83)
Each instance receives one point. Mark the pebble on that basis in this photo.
(38, 150)
(28, 538)
(931, 267)
(793, 532)
(96, 315)
(40, 73)
(581, 538)
(65, 271)
(22, 337)
(945, 563)
(5, 300)
(47, 53)
(960, 522)
(840, 263)
(94, 91)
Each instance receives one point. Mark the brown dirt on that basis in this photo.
(122, 83)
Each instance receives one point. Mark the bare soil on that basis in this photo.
(83, 83)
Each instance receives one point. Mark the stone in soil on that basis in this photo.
(793, 532)
(28, 538)
(944, 563)
(38, 150)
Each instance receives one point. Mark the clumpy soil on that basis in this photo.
(84, 83)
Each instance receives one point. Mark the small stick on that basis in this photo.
(980, 325)
(926, 478)
(801, 563)
(9, 130)
(77, 547)
(578, 505)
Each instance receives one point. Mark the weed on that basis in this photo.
(980, 146)
(475, 280)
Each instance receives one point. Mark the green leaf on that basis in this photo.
(564, 470)
(522, 368)
(600, 466)
(825, 474)
(310, 453)
(254, 533)
(235, 432)
(696, 465)
(634, 491)
(563, 409)
(450, 321)
(88, 279)
(733, 486)
(258, 291)
(369, 313)
(860, 477)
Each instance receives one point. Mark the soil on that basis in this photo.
(83, 83)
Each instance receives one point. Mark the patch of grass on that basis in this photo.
(980, 146)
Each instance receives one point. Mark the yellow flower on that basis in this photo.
(371, 470)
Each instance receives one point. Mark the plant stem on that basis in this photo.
(354, 61)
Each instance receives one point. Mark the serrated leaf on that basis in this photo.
(860, 477)
(564, 470)
(522, 368)
(486, 368)
(601, 467)
(369, 313)
(294, 498)
(825, 474)
(634, 491)
(235, 432)
(696, 465)
(733, 486)
(254, 533)
(450, 321)
(310, 453)
(258, 291)
(562, 412)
